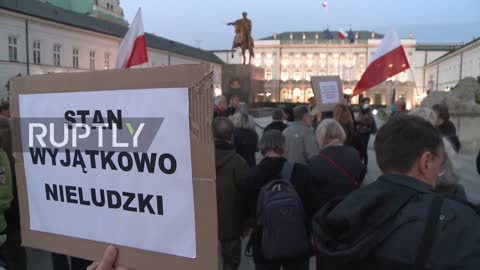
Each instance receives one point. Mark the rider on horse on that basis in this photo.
(243, 36)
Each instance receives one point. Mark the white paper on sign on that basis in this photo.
(329, 92)
(160, 213)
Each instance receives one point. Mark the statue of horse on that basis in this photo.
(243, 38)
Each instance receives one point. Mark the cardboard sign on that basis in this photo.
(120, 157)
(328, 92)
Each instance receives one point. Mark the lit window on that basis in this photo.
(333, 71)
(268, 74)
(310, 55)
(75, 58)
(92, 60)
(296, 74)
(107, 60)
(286, 95)
(297, 95)
(403, 76)
(269, 55)
(36, 52)
(56, 55)
(297, 55)
(12, 48)
(360, 73)
(309, 74)
(284, 62)
(308, 93)
(284, 75)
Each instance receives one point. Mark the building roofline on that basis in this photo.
(438, 46)
(311, 35)
(451, 53)
(53, 13)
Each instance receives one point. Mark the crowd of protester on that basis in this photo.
(306, 197)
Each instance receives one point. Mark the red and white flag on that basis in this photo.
(389, 60)
(342, 34)
(133, 49)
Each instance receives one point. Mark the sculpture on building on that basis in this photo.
(243, 37)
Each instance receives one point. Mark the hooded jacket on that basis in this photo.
(381, 226)
(229, 168)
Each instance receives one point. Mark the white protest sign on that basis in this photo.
(122, 196)
(329, 92)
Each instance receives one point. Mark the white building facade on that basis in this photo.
(446, 71)
(291, 58)
(39, 38)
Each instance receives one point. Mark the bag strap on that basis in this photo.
(287, 170)
(431, 228)
(341, 169)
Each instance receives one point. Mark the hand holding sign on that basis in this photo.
(328, 90)
(108, 260)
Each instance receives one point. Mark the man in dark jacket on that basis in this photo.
(277, 123)
(446, 127)
(272, 146)
(229, 168)
(398, 222)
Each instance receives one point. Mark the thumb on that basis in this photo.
(109, 258)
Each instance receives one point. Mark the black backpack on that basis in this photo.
(282, 218)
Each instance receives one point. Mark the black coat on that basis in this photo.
(353, 138)
(249, 189)
(450, 132)
(328, 181)
(246, 144)
(278, 125)
(382, 225)
(230, 167)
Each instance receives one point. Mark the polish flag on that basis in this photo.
(133, 49)
(389, 60)
(342, 34)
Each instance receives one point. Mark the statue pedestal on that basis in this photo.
(246, 81)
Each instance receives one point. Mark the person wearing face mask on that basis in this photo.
(398, 108)
(399, 222)
(366, 126)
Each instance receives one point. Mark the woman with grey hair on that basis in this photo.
(338, 169)
(448, 180)
(245, 137)
(273, 148)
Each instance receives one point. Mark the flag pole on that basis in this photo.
(414, 83)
